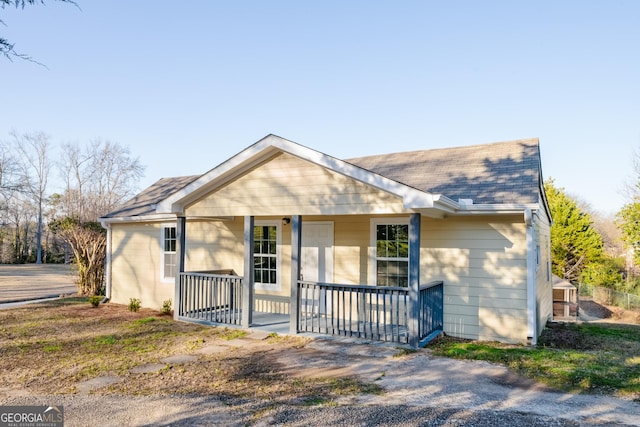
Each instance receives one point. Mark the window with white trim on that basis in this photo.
(391, 252)
(169, 256)
(266, 255)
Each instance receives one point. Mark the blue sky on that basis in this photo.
(187, 85)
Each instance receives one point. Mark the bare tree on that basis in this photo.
(6, 47)
(11, 207)
(98, 179)
(17, 225)
(75, 166)
(34, 168)
(605, 225)
(611, 236)
(631, 187)
(9, 181)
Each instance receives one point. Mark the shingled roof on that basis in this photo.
(144, 203)
(497, 173)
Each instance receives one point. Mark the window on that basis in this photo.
(266, 256)
(168, 252)
(392, 253)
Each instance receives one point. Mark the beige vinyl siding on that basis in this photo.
(219, 245)
(215, 245)
(544, 283)
(136, 265)
(482, 262)
(287, 185)
(351, 249)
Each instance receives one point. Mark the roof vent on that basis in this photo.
(465, 202)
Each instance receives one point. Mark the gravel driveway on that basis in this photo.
(421, 389)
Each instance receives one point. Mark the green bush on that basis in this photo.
(95, 300)
(134, 304)
(166, 307)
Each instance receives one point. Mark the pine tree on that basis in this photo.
(628, 221)
(575, 244)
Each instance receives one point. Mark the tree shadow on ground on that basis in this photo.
(592, 309)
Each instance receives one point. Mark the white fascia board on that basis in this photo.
(221, 173)
(140, 218)
(270, 145)
(498, 208)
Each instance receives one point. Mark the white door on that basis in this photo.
(317, 252)
(316, 264)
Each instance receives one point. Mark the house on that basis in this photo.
(396, 247)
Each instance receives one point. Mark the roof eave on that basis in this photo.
(503, 208)
(156, 217)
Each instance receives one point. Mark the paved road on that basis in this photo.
(31, 281)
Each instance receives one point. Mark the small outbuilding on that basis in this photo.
(565, 299)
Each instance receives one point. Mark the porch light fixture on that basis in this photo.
(286, 220)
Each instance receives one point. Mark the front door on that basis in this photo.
(317, 251)
(316, 264)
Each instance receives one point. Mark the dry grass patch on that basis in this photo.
(52, 347)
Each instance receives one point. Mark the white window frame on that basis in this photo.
(278, 285)
(163, 278)
(373, 256)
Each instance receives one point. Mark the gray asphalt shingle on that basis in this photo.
(144, 203)
(496, 173)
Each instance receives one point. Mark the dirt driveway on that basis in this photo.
(419, 389)
(30, 281)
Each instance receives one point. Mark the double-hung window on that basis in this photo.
(168, 252)
(391, 242)
(266, 256)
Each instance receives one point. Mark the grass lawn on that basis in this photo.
(49, 348)
(602, 358)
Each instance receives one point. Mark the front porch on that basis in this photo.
(377, 313)
(406, 313)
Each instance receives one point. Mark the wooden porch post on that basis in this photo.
(247, 282)
(414, 280)
(181, 231)
(296, 251)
